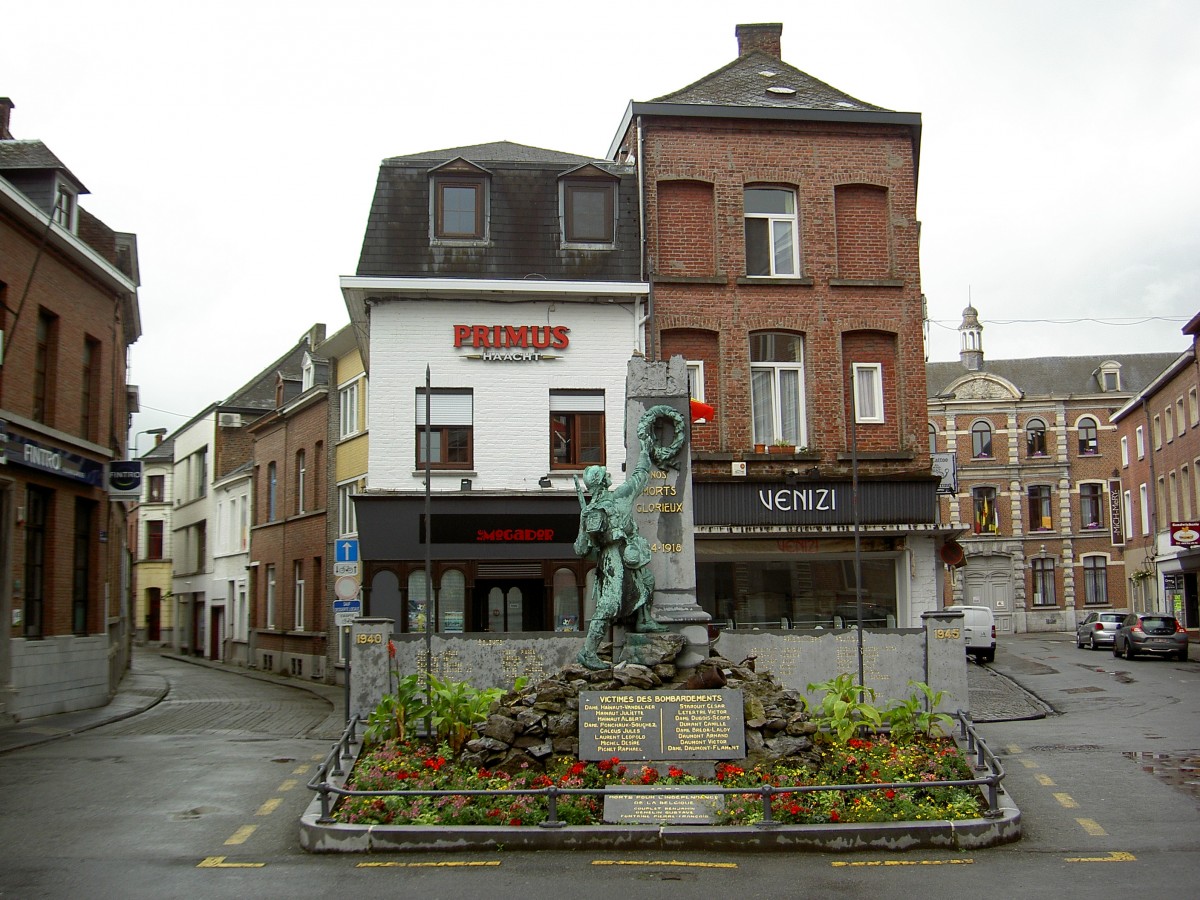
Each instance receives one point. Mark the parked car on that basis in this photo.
(1150, 633)
(979, 631)
(1098, 629)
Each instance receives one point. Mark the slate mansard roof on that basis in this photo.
(524, 238)
(1052, 376)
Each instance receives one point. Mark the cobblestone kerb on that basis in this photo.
(965, 834)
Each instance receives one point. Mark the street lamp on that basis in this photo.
(155, 431)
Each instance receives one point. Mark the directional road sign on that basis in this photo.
(345, 551)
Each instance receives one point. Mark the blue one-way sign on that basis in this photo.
(345, 551)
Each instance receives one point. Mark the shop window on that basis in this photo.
(452, 602)
(566, 601)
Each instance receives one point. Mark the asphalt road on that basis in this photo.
(200, 795)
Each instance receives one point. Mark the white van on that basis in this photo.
(979, 631)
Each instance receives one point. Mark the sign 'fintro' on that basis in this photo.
(512, 342)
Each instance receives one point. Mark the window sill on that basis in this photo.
(867, 282)
(690, 279)
(457, 242)
(875, 456)
(778, 280)
(588, 245)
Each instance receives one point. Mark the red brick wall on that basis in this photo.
(872, 347)
(863, 248)
(686, 229)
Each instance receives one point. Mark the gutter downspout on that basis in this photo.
(644, 272)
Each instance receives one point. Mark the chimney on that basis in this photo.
(764, 37)
(6, 107)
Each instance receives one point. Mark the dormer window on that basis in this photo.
(588, 203)
(459, 202)
(1109, 376)
(64, 207)
(307, 373)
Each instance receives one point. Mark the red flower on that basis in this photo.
(514, 821)
(604, 765)
(578, 768)
(435, 764)
(890, 794)
(833, 816)
(649, 775)
(675, 772)
(391, 650)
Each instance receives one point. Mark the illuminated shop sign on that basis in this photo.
(513, 343)
(501, 528)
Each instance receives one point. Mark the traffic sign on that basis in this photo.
(346, 611)
(345, 569)
(345, 550)
(345, 587)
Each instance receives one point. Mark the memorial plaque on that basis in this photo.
(664, 725)
(660, 805)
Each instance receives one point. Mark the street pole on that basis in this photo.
(428, 562)
(858, 603)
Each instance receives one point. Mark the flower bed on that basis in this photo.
(908, 772)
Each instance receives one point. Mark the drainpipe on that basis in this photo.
(1152, 500)
(644, 261)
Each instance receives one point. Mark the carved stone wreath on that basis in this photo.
(663, 457)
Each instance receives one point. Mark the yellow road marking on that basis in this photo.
(1029, 764)
(300, 770)
(1066, 800)
(1113, 856)
(1044, 780)
(239, 836)
(269, 807)
(1012, 748)
(427, 865)
(902, 862)
(288, 785)
(1091, 826)
(218, 862)
(662, 862)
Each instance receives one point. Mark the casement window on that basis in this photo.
(450, 435)
(1144, 507)
(589, 210)
(65, 208)
(89, 400)
(576, 429)
(1124, 450)
(1140, 442)
(984, 501)
(459, 208)
(347, 519)
(1193, 407)
(1156, 429)
(695, 376)
(981, 440)
(868, 392)
(1043, 581)
(1127, 508)
(45, 366)
(1168, 422)
(1095, 580)
(772, 232)
(298, 595)
(1180, 419)
(348, 410)
(1089, 437)
(156, 486)
(154, 539)
(933, 438)
(270, 595)
(777, 388)
(301, 478)
(1035, 438)
(272, 491)
(1041, 516)
(1091, 505)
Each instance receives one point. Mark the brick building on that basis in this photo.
(288, 545)
(151, 542)
(1158, 432)
(1038, 468)
(68, 315)
(782, 248)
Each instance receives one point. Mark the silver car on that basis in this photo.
(1150, 633)
(1098, 629)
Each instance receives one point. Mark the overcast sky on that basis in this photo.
(1059, 189)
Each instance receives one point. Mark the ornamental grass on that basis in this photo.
(917, 762)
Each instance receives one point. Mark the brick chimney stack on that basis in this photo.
(763, 37)
(6, 107)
